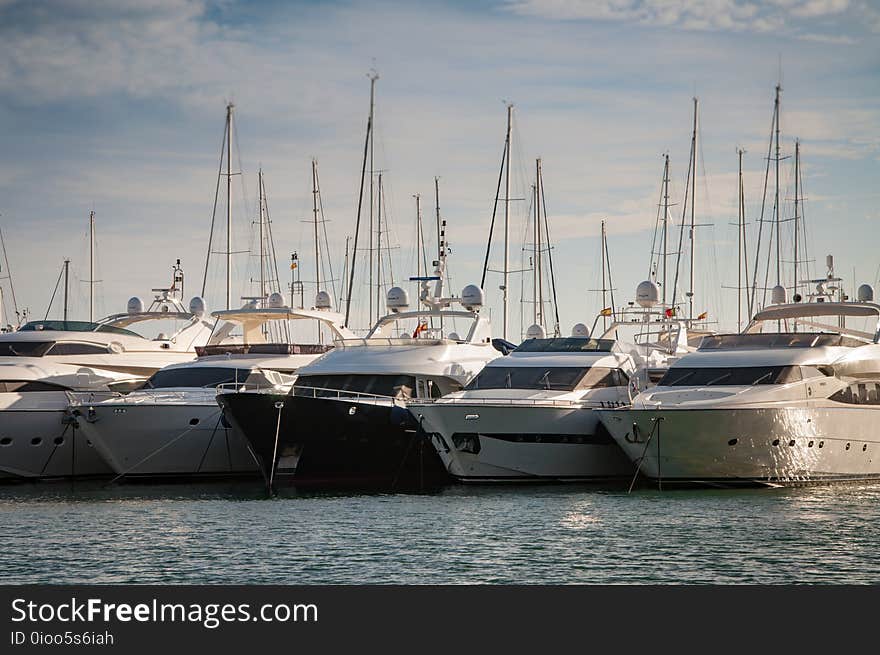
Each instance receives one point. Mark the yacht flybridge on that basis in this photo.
(44, 361)
(793, 398)
(172, 427)
(529, 415)
(344, 420)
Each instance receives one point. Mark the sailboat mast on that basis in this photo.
(665, 222)
(418, 235)
(315, 215)
(91, 266)
(539, 247)
(797, 175)
(776, 204)
(229, 206)
(693, 224)
(66, 286)
(437, 216)
(367, 140)
(535, 256)
(379, 246)
(739, 241)
(9, 275)
(262, 239)
(507, 220)
(604, 285)
(378, 255)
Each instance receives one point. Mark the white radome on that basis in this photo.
(472, 297)
(397, 299)
(647, 294)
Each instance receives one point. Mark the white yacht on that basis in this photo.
(794, 398)
(44, 361)
(529, 416)
(345, 421)
(173, 427)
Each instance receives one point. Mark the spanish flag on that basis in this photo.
(606, 312)
(419, 329)
(670, 312)
(703, 316)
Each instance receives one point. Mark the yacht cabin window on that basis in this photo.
(24, 348)
(197, 377)
(560, 378)
(74, 348)
(392, 386)
(731, 376)
(25, 386)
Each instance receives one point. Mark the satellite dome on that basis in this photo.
(135, 305)
(777, 295)
(865, 293)
(472, 297)
(647, 294)
(454, 336)
(276, 300)
(397, 299)
(580, 330)
(197, 306)
(323, 300)
(535, 332)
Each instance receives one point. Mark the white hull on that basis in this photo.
(165, 439)
(36, 442)
(784, 445)
(522, 442)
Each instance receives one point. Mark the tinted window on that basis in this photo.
(24, 348)
(62, 348)
(380, 385)
(196, 377)
(743, 375)
(73, 326)
(563, 378)
(776, 340)
(859, 393)
(25, 386)
(565, 345)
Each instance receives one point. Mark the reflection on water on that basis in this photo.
(232, 533)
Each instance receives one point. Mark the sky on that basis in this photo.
(119, 108)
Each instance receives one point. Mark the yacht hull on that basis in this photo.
(165, 440)
(484, 442)
(39, 441)
(733, 446)
(334, 442)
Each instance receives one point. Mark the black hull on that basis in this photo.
(331, 443)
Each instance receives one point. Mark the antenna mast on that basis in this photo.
(797, 175)
(665, 221)
(66, 286)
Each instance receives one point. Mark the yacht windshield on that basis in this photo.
(393, 386)
(562, 378)
(73, 326)
(196, 377)
(565, 345)
(776, 340)
(738, 376)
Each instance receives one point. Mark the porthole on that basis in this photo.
(59, 441)
(847, 446)
(810, 444)
(821, 443)
(791, 443)
(36, 441)
(732, 442)
(865, 447)
(776, 442)
(5, 441)
(194, 421)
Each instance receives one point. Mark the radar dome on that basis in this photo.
(276, 300)
(472, 297)
(397, 299)
(453, 336)
(197, 306)
(647, 294)
(777, 295)
(535, 332)
(135, 305)
(865, 293)
(323, 300)
(580, 330)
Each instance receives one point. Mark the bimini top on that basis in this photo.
(806, 313)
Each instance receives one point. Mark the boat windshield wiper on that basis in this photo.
(724, 376)
(763, 377)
